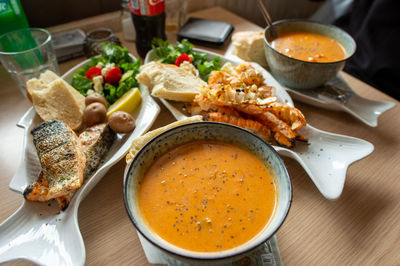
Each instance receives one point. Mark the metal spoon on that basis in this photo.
(268, 19)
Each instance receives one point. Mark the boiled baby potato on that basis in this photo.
(96, 98)
(121, 122)
(95, 113)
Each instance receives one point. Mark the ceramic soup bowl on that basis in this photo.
(298, 74)
(207, 131)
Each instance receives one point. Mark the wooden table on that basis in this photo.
(362, 227)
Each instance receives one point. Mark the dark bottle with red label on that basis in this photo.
(148, 16)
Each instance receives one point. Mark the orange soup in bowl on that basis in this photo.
(310, 47)
(207, 196)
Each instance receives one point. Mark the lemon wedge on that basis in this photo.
(128, 102)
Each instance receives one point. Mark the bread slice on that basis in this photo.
(170, 82)
(58, 100)
(48, 76)
(139, 142)
(249, 46)
(44, 80)
(35, 84)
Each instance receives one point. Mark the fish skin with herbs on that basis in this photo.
(62, 159)
(96, 141)
(53, 142)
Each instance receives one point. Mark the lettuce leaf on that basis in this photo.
(111, 54)
(169, 53)
(81, 83)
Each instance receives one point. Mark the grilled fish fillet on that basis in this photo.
(38, 191)
(96, 142)
(62, 159)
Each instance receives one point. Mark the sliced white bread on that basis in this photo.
(139, 142)
(35, 84)
(48, 76)
(57, 100)
(170, 82)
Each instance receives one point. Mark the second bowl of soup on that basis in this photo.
(306, 54)
(207, 192)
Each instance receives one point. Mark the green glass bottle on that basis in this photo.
(12, 16)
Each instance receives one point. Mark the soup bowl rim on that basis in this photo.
(205, 256)
(283, 21)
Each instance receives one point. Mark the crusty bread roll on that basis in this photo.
(39, 84)
(170, 82)
(34, 84)
(48, 76)
(57, 100)
(139, 142)
(249, 46)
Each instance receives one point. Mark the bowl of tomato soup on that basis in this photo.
(306, 54)
(207, 192)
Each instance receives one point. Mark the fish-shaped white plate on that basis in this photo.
(325, 157)
(39, 232)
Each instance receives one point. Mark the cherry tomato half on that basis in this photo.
(114, 75)
(181, 59)
(93, 72)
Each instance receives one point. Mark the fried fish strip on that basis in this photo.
(251, 125)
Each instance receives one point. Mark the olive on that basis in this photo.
(95, 113)
(121, 122)
(96, 98)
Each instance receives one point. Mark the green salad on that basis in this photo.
(111, 74)
(183, 51)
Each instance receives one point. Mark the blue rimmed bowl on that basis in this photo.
(298, 74)
(207, 131)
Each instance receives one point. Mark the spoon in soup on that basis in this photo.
(268, 19)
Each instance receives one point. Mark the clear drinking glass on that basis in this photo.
(26, 53)
(126, 22)
(175, 14)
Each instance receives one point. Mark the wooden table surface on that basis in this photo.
(362, 227)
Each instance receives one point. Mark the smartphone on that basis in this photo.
(205, 32)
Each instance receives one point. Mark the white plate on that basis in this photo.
(40, 233)
(325, 158)
(337, 96)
